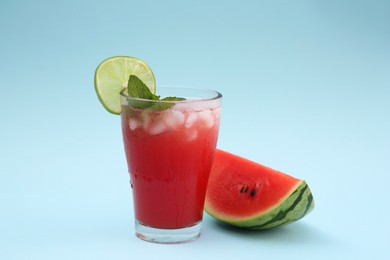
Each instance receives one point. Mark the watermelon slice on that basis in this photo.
(249, 195)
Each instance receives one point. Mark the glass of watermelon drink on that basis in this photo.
(170, 148)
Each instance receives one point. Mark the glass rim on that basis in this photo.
(216, 96)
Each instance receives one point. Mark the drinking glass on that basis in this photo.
(170, 148)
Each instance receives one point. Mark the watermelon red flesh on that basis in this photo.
(242, 189)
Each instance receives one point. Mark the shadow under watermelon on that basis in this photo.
(294, 233)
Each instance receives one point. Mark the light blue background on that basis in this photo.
(306, 89)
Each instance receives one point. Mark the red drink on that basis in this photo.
(169, 154)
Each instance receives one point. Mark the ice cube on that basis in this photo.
(217, 114)
(187, 107)
(191, 134)
(191, 119)
(133, 123)
(146, 119)
(157, 128)
(173, 118)
(207, 117)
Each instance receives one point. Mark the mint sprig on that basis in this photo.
(165, 105)
(137, 89)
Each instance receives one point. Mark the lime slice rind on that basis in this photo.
(111, 76)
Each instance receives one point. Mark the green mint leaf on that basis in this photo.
(165, 105)
(137, 89)
(173, 99)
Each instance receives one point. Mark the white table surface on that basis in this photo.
(306, 88)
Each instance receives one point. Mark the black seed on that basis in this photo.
(253, 192)
(242, 189)
(246, 189)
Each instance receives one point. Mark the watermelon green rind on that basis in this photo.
(295, 207)
(297, 204)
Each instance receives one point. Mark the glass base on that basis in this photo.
(167, 236)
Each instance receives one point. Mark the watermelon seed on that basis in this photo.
(253, 192)
(242, 189)
(246, 189)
